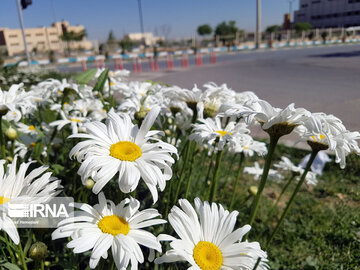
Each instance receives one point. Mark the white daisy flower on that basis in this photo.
(207, 239)
(15, 187)
(105, 226)
(210, 130)
(247, 145)
(257, 172)
(286, 165)
(76, 122)
(327, 132)
(121, 147)
(12, 100)
(268, 116)
(26, 129)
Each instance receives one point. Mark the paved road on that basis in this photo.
(320, 79)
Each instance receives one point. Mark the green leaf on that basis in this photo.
(28, 243)
(85, 77)
(57, 168)
(99, 86)
(10, 266)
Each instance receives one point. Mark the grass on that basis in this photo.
(322, 230)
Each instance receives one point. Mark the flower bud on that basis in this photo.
(89, 183)
(38, 251)
(167, 132)
(253, 190)
(11, 133)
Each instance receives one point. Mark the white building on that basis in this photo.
(329, 13)
(147, 37)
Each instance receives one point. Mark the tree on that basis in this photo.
(272, 28)
(70, 36)
(126, 44)
(226, 30)
(302, 26)
(111, 41)
(204, 30)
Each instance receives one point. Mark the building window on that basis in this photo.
(13, 36)
(316, 2)
(354, 1)
(304, 5)
(52, 34)
(14, 44)
(54, 41)
(39, 34)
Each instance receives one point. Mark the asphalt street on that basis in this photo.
(321, 79)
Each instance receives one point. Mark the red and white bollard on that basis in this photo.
(96, 64)
(213, 58)
(134, 65)
(156, 65)
(121, 63)
(116, 64)
(84, 65)
(151, 63)
(168, 62)
(139, 65)
(171, 61)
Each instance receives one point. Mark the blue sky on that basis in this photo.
(121, 16)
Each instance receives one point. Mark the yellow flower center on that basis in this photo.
(75, 120)
(223, 132)
(114, 225)
(321, 137)
(125, 151)
(31, 127)
(112, 83)
(32, 144)
(4, 200)
(207, 256)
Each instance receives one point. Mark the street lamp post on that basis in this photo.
(258, 24)
(23, 32)
(141, 22)
(290, 8)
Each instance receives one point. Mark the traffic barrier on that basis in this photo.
(171, 61)
(139, 65)
(121, 63)
(168, 64)
(151, 63)
(116, 64)
(198, 59)
(213, 58)
(134, 65)
(84, 65)
(156, 65)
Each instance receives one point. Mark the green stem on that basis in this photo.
(216, 176)
(13, 260)
(181, 179)
(22, 256)
(290, 202)
(209, 169)
(189, 176)
(255, 205)
(2, 143)
(242, 156)
(282, 193)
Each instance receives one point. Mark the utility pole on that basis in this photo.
(258, 24)
(23, 31)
